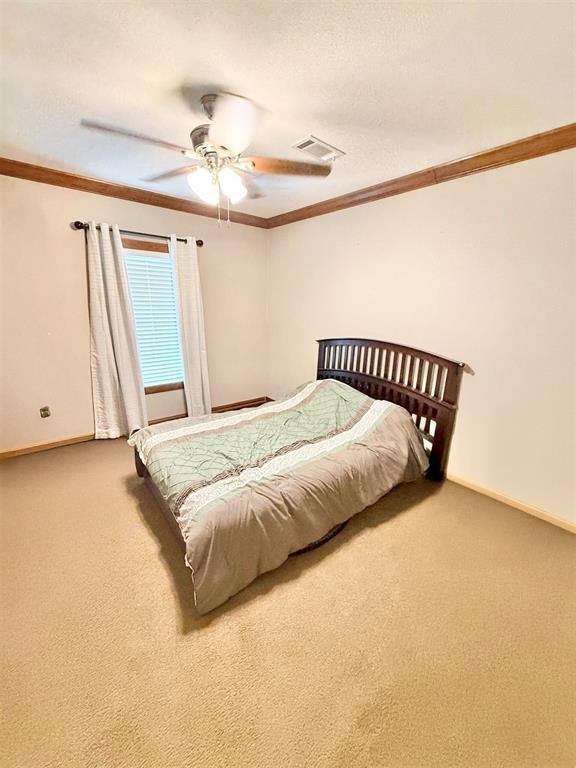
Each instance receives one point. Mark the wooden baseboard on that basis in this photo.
(37, 447)
(151, 422)
(219, 409)
(528, 508)
(241, 404)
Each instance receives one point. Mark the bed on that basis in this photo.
(244, 490)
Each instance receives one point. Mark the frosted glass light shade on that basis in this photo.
(203, 185)
(231, 185)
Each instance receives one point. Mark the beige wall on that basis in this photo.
(45, 339)
(480, 270)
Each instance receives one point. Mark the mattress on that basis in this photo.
(247, 489)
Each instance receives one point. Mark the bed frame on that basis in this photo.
(426, 385)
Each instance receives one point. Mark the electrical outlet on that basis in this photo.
(44, 411)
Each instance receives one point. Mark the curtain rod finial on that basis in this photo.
(77, 225)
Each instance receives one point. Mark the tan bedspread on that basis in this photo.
(249, 488)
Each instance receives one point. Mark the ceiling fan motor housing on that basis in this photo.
(199, 137)
(202, 144)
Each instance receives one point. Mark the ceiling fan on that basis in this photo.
(217, 164)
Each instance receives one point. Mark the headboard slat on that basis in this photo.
(425, 384)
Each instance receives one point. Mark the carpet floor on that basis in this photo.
(438, 629)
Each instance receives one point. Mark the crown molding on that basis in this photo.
(517, 151)
(57, 178)
(524, 149)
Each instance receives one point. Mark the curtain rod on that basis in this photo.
(84, 225)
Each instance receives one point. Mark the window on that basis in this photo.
(152, 282)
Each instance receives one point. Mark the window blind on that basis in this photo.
(152, 282)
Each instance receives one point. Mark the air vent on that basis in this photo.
(318, 149)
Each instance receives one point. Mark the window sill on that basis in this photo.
(164, 387)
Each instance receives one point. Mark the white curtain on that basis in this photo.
(196, 384)
(117, 389)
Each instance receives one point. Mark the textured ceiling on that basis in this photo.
(397, 85)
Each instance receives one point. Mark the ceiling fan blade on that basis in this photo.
(233, 122)
(287, 167)
(134, 135)
(171, 174)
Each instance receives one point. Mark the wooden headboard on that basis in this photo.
(426, 385)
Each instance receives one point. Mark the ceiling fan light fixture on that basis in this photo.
(232, 186)
(204, 185)
(216, 162)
